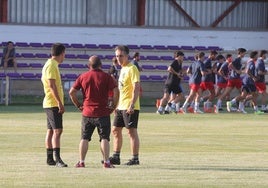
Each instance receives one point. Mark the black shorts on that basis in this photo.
(173, 88)
(89, 124)
(122, 119)
(10, 63)
(54, 118)
(249, 88)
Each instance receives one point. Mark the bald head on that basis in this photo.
(94, 62)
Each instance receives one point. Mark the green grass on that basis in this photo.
(206, 150)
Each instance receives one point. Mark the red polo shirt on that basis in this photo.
(95, 86)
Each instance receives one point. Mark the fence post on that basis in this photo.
(7, 91)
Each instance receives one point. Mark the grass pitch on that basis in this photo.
(191, 150)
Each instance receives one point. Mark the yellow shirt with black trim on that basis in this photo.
(129, 75)
(51, 71)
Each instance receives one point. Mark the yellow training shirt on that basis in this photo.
(51, 71)
(129, 74)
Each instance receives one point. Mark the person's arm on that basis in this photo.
(221, 73)
(115, 97)
(74, 98)
(262, 70)
(135, 95)
(54, 91)
(248, 72)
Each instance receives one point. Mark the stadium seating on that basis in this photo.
(133, 47)
(147, 67)
(47, 45)
(75, 45)
(156, 78)
(28, 75)
(82, 56)
(65, 66)
(22, 44)
(200, 48)
(36, 44)
(2, 75)
(173, 47)
(22, 65)
(91, 46)
(35, 65)
(78, 66)
(160, 47)
(146, 47)
(189, 48)
(154, 59)
(105, 46)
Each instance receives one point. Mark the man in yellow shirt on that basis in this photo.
(53, 104)
(127, 113)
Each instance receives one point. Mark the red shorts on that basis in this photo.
(235, 83)
(222, 85)
(261, 87)
(207, 86)
(194, 87)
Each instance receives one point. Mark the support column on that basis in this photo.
(3, 11)
(141, 12)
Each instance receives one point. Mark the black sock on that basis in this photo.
(49, 154)
(116, 154)
(57, 154)
(136, 157)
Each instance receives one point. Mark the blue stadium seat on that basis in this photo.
(77, 45)
(166, 58)
(217, 48)
(187, 48)
(91, 46)
(28, 75)
(156, 78)
(161, 67)
(70, 56)
(27, 55)
(47, 44)
(82, 56)
(38, 75)
(133, 47)
(70, 76)
(146, 47)
(142, 57)
(2, 75)
(200, 48)
(66, 45)
(109, 57)
(22, 44)
(13, 75)
(105, 66)
(148, 67)
(36, 65)
(191, 58)
(153, 57)
(173, 47)
(42, 55)
(160, 47)
(36, 44)
(65, 66)
(105, 46)
(21, 65)
(144, 78)
(79, 66)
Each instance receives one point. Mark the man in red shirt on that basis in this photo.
(98, 104)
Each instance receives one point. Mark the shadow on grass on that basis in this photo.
(218, 168)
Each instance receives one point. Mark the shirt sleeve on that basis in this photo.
(135, 75)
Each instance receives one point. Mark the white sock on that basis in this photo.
(177, 106)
